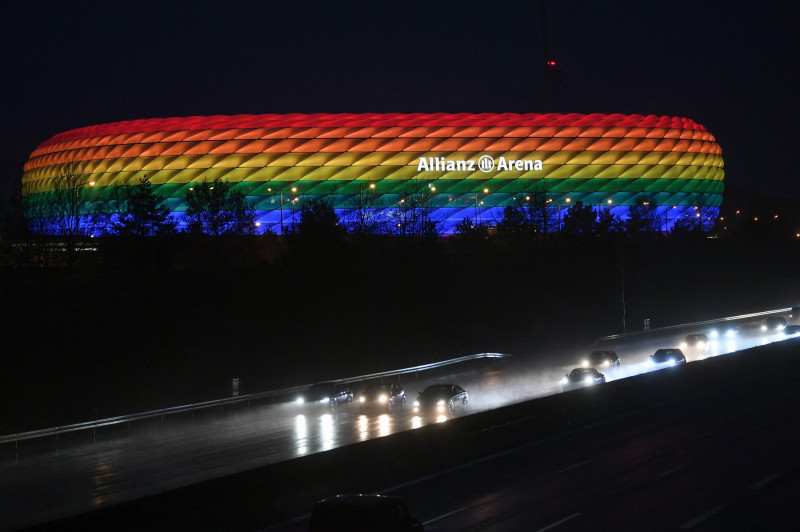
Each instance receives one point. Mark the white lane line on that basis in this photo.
(448, 514)
(702, 517)
(678, 468)
(764, 481)
(548, 527)
(575, 466)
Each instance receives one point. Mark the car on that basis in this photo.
(668, 356)
(724, 330)
(696, 342)
(441, 399)
(601, 359)
(362, 513)
(582, 377)
(383, 396)
(794, 316)
(774, 324)
(329, 394)
(791, 330)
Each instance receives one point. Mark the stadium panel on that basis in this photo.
(455, 166)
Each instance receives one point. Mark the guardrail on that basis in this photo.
(94, 425)
(687, 326)
(130, 418)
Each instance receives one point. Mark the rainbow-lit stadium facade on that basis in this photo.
(462, 165)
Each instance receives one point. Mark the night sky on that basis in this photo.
(729, 65)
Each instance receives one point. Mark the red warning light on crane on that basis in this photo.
(551, 63)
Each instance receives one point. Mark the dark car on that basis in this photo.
(669, 356)
(383, 396)
(580, 377)
(441, 398)
(327, 394)
(362, 513)
(791, 330)
(696, 342)
(601, 359)
(774, 324)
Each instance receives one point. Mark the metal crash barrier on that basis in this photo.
(218, 403)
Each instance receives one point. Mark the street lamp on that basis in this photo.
(77, 210)
(361, 216)
(566, 204)
(361, 193)
(294, 200)
(477, 213)
(82, 186)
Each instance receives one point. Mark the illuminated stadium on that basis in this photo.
(454, 166)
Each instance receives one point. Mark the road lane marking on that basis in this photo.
(575, 466)
(548, 527)
(764, 481)
(448, 514)
(702, 517)
(678, 468)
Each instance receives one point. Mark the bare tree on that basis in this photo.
(541, 216)
(413, 213)
(697, 218)
(363, 211)
(38, 250)
(63, 211)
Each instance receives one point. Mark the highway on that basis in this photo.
(47, 481)
(711, 458)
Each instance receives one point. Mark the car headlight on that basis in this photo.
(564, 380)
(325, 400)
(763, 327)
(588, 380)
(606, 363)
(683, 345)
(585, 363)
(362, 399)
(300, 401)
(701, 345)
(713, 333)
(383, 398)
(671, 361)
(416, 403)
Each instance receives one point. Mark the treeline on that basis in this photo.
(132, 227)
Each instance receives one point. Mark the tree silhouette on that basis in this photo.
(579, 219)
(216, 209)
(143, 213)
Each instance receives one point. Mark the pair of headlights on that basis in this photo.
(439, 405)
(670, 362)
(324, 400)
(586, 380)
(382, 399)
(604, 364)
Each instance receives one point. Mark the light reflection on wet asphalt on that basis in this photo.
(67, 478)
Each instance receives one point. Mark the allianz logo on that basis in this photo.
(485, 163)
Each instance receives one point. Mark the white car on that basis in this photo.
(582, 377)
